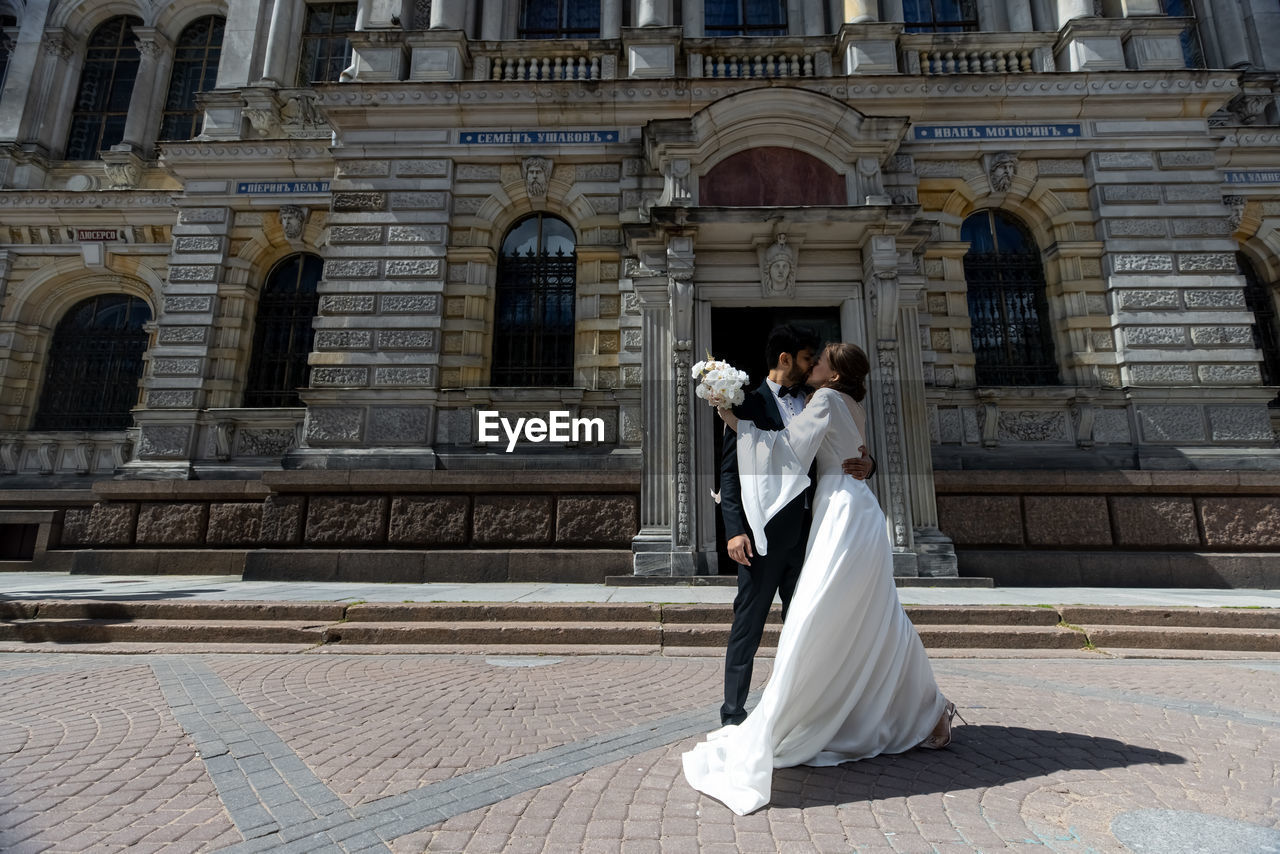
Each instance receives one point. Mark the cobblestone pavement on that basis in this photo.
(413, 753)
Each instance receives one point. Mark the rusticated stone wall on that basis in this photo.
(1132, 510)
(422, 521)
(411, 510)
(1122, 527)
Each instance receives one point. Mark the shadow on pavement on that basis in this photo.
(979, 757)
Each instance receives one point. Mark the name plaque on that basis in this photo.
(97, 235)
(1252, 176)
(280, 188)
(537, 137)
(963, 133)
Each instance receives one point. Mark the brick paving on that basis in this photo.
(453, 753)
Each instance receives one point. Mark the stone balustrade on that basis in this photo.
(64, 453)
(977, 53)
(758, 58)
(545, 60)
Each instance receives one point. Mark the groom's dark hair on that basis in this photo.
(789, 338)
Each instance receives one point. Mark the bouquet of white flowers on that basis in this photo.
(719, 383)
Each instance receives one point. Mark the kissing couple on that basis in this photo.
(850, 678)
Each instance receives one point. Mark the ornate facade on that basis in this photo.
(262, 262)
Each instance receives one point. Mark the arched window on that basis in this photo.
(559, 19)
(940, 16)
(727, 18)
(1012, 342)
(106, 86)
(326, 42)
(282, 332)
(534, 303)
(195, 70)
(94, 365)
(1258, 299)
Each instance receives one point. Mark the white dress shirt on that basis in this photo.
(788, 405)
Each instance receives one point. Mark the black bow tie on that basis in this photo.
(791, 391)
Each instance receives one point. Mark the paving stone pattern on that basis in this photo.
(414, 753)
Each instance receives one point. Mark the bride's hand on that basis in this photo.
(727, 416)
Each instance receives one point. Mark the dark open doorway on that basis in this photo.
(738, 336)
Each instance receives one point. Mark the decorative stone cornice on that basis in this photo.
(52, 199)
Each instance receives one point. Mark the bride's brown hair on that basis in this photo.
(851, 366)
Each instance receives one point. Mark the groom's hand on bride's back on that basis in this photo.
(861, 467)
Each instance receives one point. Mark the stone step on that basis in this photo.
(446, 634)
(163, 631)
(1182, 637)
(79, 609)
(594, 627)
(1234, 618)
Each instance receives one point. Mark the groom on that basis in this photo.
(791, 352)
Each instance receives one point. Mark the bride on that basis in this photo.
(850, 679)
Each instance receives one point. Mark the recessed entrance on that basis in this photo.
(738, 336)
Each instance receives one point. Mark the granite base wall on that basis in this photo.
(1126, 528)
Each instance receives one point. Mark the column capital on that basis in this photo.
(151, 43)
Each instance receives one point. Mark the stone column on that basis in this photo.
(174, 384)
(935, 553)
(861, 11)
(694, 18)
(23, 81)
(1019, 15)
(815, 20)
(1069, 10)
(880, 270)
(1232, 34)
(1263, 18)
(653, 13)
(652, 546)
(54, 83)
(448, 14)
(275, 68)
(492, 16)
(143, 121)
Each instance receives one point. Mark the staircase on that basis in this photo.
(593, 628)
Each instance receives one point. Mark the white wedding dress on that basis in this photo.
(851, 679)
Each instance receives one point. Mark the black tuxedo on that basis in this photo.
(776, 572)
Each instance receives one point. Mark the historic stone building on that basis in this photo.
(264, 263)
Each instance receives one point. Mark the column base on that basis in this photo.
(653, 555)
(935, 554)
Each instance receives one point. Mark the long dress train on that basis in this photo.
(850, 679)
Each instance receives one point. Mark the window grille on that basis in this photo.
(1258, 299)
(195, 70)
(728, 18)
(560, 19)
(940, 16)
(106, 86)
(94, 364)
(326, 42)
(282, 332)
(534, 305)
(1008, 308)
